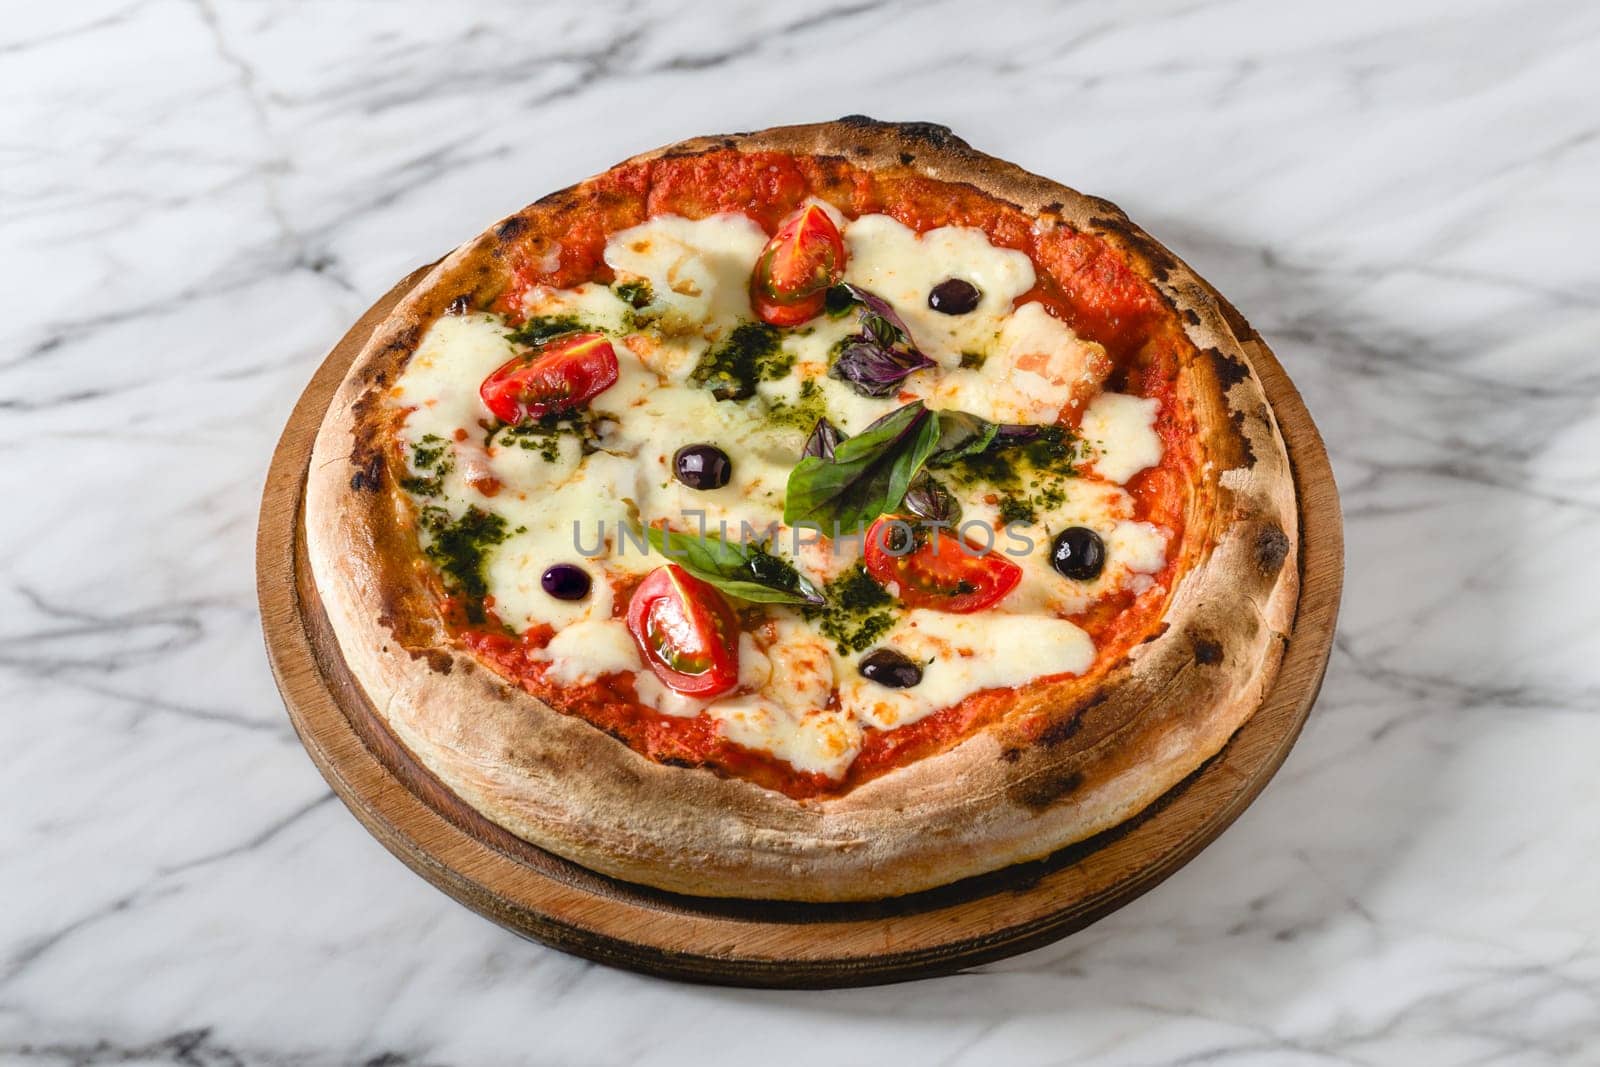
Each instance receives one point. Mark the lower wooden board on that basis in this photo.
(763, 943)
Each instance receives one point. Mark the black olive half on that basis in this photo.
(702, 466)
(890, 668)
(1078, 553)
(953, 296)
(566, 581)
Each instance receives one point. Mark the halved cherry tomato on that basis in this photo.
(687, 632)
(942, 571)
(792, 276)
(565, 374)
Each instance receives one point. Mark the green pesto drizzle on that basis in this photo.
(459, 548)
(544, 328)
(543, 435)
(731, 368)
(636, 294)
(1028, 477)
(858, 611)
(431, 457)
(802, 413)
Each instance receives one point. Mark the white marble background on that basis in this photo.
(197, 198)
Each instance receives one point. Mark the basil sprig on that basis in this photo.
(868, 474)
(744, 571)
(875, 361)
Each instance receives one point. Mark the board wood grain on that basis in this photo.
(763, 943)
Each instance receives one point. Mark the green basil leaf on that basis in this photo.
(960, 435)
(868, 474)
(749, 573)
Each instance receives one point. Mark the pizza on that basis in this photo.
(826, 513)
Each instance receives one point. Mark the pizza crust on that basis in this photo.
(993, 800)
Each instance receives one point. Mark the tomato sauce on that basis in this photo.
(1085, 281)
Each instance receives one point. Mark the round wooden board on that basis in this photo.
(762, 943)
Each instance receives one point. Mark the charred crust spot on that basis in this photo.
(403, 341)
(1054, 207)
(561, 199)
(368, 476)
(1230, 369)
(677, 761)
(931, 132)
(1191, 316)
(1248, 453)
(928, 132)
(1160, 262)
(1207, 652)
(729, 142)
(1042, 791)
(862, 150)
(512, 227)
(1011, 755)
(907, 158)
(459, 305)
(440, 660)
(1272, 548)
(1153, 634)
(1063, 730)
(689, 151)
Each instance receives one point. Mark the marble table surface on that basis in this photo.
(197, 198)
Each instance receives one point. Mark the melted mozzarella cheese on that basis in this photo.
(1141, 547)
(594, 305)
(1037, 369)
(586, 650)
(1120, 431)
(441, 380)
(893, 261)
(962, 655)
(698, 269)
(788, 715)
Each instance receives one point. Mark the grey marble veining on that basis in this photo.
(197, 198)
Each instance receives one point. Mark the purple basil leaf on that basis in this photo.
(880, 357)
(1013, 433)
(873, 369)
(929, 499)
(825, 437)
(878, 318)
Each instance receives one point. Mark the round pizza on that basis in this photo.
(826, 513)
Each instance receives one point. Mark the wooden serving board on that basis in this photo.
(762, 943)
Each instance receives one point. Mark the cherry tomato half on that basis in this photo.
(687, 632)
(565, 374)
(792, 276)
(943, 571)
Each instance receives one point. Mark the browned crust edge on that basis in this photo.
(559, 783)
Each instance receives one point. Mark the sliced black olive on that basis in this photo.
(1078, 553)
(702, 466)
(953, 296)
(890, 668)
(566, 581)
